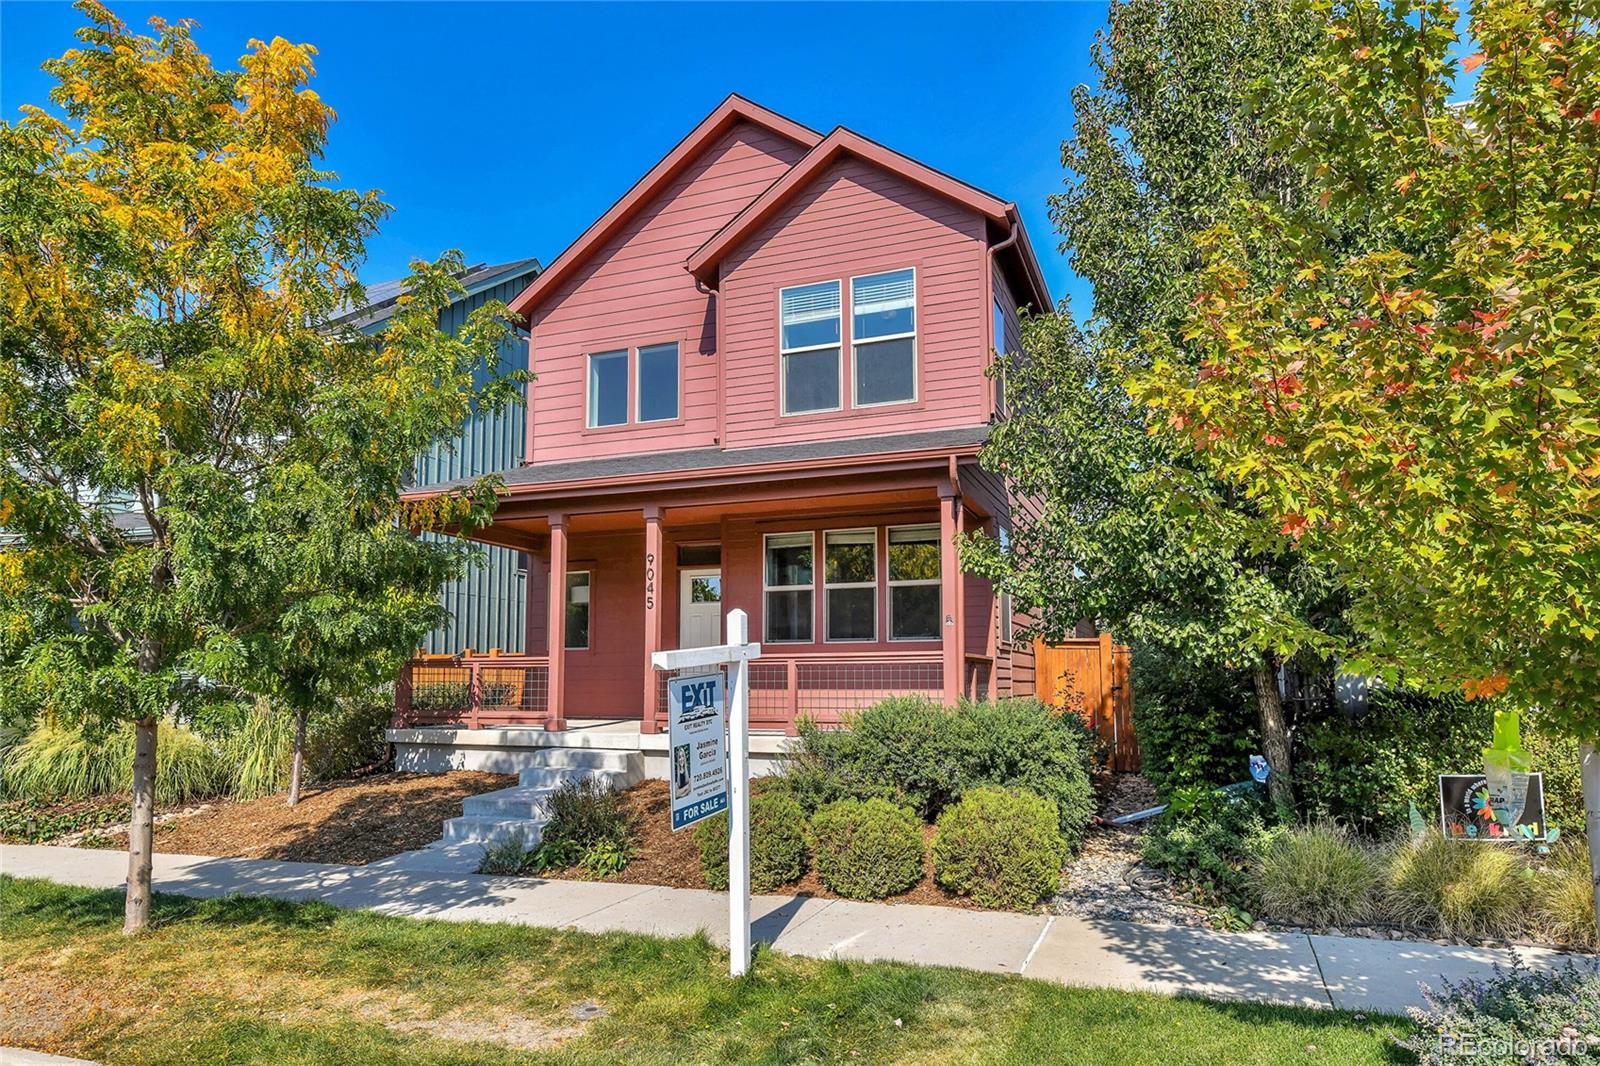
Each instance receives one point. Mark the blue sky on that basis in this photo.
(505, 129)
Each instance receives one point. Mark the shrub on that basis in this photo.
(506, 856)
(1210, 843)
(1564, 898)
(256, 751)
(70, 760)
(1318, 875)
(588, 826)
(1556, 757)
(1000, 846)
(1517, 1009)
(1196, 724)
(1027, 744)
(1458, 888)
(906, 748)
(777, 842)
(867, 850)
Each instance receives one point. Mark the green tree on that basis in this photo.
(171, 255)
(1125, 529)
(1423, 414)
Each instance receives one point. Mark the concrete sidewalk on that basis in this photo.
(1351, 973)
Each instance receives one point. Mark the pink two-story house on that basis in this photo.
(760, 382)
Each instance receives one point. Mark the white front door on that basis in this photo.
(700, 613)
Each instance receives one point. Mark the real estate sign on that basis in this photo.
(697, 747)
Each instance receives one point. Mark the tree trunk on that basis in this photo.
(1589, 774)
(299, 759)
(1274, 732)
(136, 912)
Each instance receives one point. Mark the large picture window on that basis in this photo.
(578, 602)
(850, 584)
(608, 389)
(914, 583)
(809, 345)
(789, 584)
(658, 382)
(883, 335)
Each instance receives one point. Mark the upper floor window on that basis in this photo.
(1000, 354)
(608, 388)
(883, 335)
(810, 347)
(658, 382)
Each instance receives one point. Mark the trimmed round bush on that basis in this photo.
(777, 843)
(1318, 875)
(1459, 887)
(866, 850)
(1023, 743)
(1000, 846)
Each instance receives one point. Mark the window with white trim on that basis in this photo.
(850, 584)
(608, 389)
(657, 385)
(788, 582)
(578, 600)
(914, 583)
(883, 336)
(809, 347)
(1000, 356)
(1008, 613)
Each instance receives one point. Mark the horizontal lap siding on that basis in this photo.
(856, 219)
(606, 679)
(634, 290)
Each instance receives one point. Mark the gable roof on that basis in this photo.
(732, 110)
(1003, 216)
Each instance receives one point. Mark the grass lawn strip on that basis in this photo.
(258, 981)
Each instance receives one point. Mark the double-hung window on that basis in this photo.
(883, 336)
(809, 347)
(914, 583)
(1000, 357)
(850, 584)
(578, 587)
(608, 388)
(788, 585)
(657, 385)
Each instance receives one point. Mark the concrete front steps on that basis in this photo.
(494, 816)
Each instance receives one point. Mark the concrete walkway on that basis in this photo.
(1351, 973)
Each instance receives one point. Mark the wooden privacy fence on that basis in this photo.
(1090, 677)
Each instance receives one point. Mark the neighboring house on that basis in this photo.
(759, 383)
(489, 603)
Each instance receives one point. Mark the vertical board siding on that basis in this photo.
(487, 603)
(857, 219)
(634, 290)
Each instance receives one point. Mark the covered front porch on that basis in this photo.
(850, 577)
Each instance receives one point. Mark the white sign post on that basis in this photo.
(693, 692)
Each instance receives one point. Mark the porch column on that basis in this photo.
(952, 627)
(653, 594)
(555, 718)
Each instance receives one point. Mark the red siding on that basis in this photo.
(634, 290)
(857, 219)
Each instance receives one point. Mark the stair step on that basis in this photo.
(586, 758)
(520, 801)
(615, 777)
(472, 829)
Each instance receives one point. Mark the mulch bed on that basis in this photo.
(671, 859)
(355, 821)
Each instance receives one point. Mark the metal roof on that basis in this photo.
(383, 296)
(713, 459)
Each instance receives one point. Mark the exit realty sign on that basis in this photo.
(697, 747)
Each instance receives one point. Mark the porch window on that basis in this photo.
(608, 389)
(578, 588)
(809, 347)
(883, 315)
(914, 583)
(788, 583)
(850, 584)
(657, 387)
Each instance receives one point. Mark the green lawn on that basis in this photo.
(255, 981)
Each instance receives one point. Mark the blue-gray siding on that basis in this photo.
(488, 603)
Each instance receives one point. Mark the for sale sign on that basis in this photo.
(697, 748)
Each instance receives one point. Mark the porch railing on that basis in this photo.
(825, 688)
(473, 691)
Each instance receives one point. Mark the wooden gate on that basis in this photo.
(1090, 678)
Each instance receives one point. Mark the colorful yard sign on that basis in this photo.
(697, 747)
(1467, 811)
